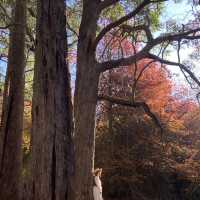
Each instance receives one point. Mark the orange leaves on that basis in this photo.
(145, 80)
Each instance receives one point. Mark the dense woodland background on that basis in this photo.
(87, 83)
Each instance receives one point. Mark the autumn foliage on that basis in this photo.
(136, 156)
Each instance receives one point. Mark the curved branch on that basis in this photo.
(71, 29)
(143, 27)
(120, 21)
(31, 12)
(180, 65)
(101, 67)
(189, 35)
(106, 3)
(128, 103)
(177, 36)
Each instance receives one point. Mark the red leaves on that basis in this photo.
(145, 81)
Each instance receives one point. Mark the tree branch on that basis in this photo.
(5, 27)
(145, 28)
(101, 67)
(28, 31)
(176, 37)
(31, 12)
(72, 30)
(128, 103)
(189, 35)
(106, 3)
(3, 56)
(120, 21)
(180, 65)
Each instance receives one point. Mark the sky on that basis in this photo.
(180, 12)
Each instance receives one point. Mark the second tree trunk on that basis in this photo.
(51, 144)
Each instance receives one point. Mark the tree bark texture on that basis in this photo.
(13, 107)
(85, 101)
(51, 142)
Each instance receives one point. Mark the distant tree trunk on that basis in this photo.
(4, 107)
(110, 114)
(85, 101)
(51, 142)
(109, 111)
(13, 107)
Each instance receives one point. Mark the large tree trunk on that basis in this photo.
(13, 107)
(109, 105)
(51, 142)
(85, 103)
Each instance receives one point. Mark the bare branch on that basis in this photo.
(180, 65)
(145, 28)
(101, 67)
(2, 56)
(120, 21)
(169, 37)
(106, 3)
(144, 68)
(179, 61)
(72, 30)
(5, 27)
(72, 43)
(29, 70)
(189, 35)
(128, 103)
(31, 12)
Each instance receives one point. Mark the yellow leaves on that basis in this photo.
(26, 142)
(176, 125)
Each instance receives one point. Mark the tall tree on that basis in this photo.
(89, 69)
(85, 101)
(51, 142)
(13, 107)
